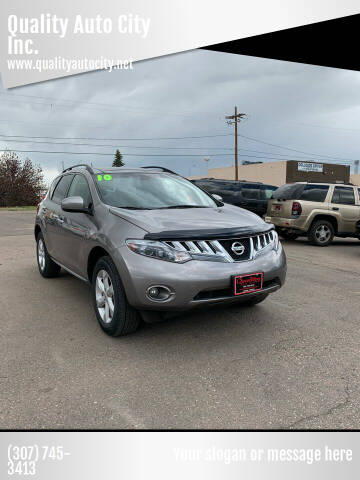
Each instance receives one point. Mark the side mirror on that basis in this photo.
(217, 197)
(74, 204)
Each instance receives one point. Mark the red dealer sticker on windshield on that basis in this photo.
(249, 283)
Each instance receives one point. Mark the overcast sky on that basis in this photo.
(303, 107)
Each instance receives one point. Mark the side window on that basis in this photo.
(53, 185)
(343, 196)
(214, 187)
(208, 187)
(80, 188)
(230, 186)
(314, 193)
(251, 192)
(62, 188)
(226, 187)
(268, 191)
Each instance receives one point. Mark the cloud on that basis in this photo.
(49, 174)
(310, 108)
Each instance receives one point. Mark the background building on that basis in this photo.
(278, 173)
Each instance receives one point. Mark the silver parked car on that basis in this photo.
(150, 243)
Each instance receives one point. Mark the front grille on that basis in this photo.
(238, 249)
(233, 250)
(229, 292)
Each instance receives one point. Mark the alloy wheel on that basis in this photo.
(104, 293)
(322, 233)
(41, 255)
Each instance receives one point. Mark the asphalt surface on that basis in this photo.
(291, 362)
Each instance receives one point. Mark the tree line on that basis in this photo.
(22, 182)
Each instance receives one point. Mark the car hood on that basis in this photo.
(189, 220)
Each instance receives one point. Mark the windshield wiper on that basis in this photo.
(163, 208)
(183, 206)
(135, 208)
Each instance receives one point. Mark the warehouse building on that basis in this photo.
(287, 171)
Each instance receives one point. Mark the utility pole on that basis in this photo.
(234, 120)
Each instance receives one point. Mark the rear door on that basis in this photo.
(53, 217)
(344, 202)
(314, 197)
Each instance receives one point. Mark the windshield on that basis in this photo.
(145, 191)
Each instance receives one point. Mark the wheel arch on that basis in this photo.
(94, 255)
(37, 230)
(330, 218)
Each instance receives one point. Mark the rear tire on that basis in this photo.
(321, 233)
(47, 267)
(288, 235)
(114, 313)
(255, 300)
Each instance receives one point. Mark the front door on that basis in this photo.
(77, 227)
(343, 201)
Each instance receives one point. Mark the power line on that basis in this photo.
(323, 157)
(129, 108)
(56, 124)
(117, 139)
(139, 154)
(182, 138)
(294, 150)
(115, 145)
(97, 105)
(165, 148)
(146, 147)
(127, 154)
(160, 148)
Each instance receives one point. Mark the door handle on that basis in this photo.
(335, 208)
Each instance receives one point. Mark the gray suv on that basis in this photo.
(151, 243)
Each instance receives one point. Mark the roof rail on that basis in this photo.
(88, 168)
(163, 169)
(332, 182)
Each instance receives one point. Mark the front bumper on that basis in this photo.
(195, 283)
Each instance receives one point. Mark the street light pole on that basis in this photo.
(207, 160)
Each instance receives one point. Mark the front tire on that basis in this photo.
(114, 313)
(321, 233)
(47, 267)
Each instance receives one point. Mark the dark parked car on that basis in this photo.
(252, 196)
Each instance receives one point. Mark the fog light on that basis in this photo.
(153, 292)
(159, 293)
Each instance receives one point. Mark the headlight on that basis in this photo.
(158, 250)
(276, 240)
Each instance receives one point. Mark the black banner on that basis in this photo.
(331, 44)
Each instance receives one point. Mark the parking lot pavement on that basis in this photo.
(291, 362)
(16, 222)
